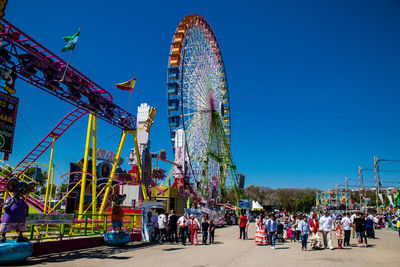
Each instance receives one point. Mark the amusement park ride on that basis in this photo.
(199, 122)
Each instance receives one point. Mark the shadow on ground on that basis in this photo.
(103, 252)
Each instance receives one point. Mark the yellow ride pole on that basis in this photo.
(85, 167)
(108, 185)
(51, 187)
(94, 172)
(49, 174)
(50, 193)
(139, 164)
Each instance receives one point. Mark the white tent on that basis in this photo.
(256, 206)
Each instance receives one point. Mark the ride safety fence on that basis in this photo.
(51, 227)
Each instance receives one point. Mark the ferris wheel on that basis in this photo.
(198, 101)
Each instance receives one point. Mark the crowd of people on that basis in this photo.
(315, 229)
(170, 228)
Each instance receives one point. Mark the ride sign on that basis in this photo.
(8, 118)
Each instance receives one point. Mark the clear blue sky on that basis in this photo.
(314, 85)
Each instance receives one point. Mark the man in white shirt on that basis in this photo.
(183, 224)
(325, 224)
(162, 226)
(346, 222)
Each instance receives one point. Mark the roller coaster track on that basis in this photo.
(40, 67)
(46, 142)
(38, 150)
(34, 64)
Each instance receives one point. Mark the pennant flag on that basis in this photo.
(127, 86)
(71, 41)
(381, 197)
(391, 200)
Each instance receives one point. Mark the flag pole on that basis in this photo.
(129, 102)
(65, 71)
(69, 59)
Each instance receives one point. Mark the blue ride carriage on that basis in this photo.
(13, 218)
(117, 238)
(12, 251)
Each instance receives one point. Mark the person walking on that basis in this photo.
(194, 227)
(183, 224)
(352, 217)
(346, 223)
(265, 219)
(304, 231)
(315, 241)
(247, 226)
(289, 231)
(339, 234)
(298, 234)
(272, 228)
(156, 229)
(242, 226)
(359, 223)
(162, 226)
(260, 237)
(204, 229)
(211, 230)
(369, 227)
(398, 224)
(325, 223)
(172, 227)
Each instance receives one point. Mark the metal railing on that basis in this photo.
(89, 225)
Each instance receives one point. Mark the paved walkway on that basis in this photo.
(228, 251)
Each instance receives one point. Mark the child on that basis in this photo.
(293, 230)
(211, 229)
(339, 234)
(289, 232)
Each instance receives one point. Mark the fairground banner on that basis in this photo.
(8, 117)
(40, 218)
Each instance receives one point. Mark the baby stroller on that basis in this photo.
(279, 232)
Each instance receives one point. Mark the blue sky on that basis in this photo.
(314, 85)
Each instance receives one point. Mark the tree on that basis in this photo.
(38, 175)
(306, 203)
(63, 188)
(282, 198)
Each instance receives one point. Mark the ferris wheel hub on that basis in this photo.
(211, 100)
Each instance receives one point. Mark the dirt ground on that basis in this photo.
(228, 251)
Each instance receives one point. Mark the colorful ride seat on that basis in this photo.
(174, 121)
(173, 73)
(173, 88)
(12, 251)
(173, 104)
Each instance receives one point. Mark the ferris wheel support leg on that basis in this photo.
(85, 167)
(108, 185)
(49, 174)
(94, 173)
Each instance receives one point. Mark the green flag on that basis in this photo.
(71, 41)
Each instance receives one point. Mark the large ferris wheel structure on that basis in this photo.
(198, 104)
